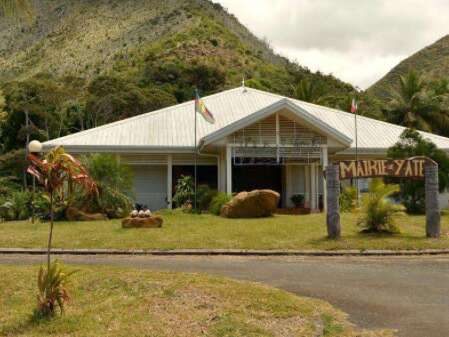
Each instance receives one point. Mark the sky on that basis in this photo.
(358, 41)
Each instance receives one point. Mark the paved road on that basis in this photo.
(408, 294)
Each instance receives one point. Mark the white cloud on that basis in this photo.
(357, 41)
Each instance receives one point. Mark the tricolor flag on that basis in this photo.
(200, 107)
(354, 106)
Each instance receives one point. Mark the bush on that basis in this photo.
(52, 291)
(204, 195)
(218, 201)
(115, 183)
(348, 199)
(297, 200)
(378, 210)
(184, 191)
(17, 206)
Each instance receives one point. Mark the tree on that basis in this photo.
(113, 98)
(418, 105)
(39, 97)
(410, 144)
(3, 116)
(309, 91)
(56, 170)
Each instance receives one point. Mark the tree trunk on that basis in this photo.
(51, 231)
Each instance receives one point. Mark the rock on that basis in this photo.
(134, 214)
(254, 204)
(150, 222)
(74, 214)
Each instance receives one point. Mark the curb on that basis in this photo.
(223, 252)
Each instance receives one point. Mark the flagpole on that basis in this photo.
(356, 156)
(195, 155)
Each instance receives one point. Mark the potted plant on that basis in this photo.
(298, 200)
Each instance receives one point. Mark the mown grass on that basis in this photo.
(182, 230)
(124, 302)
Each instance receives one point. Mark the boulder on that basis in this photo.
(254, 204)
(75, 214)
(149, 222)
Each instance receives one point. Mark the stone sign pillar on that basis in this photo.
(432, 205)
(333, 205)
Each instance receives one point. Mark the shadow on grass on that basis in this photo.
(369, 240)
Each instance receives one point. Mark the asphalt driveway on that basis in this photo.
(408, 294)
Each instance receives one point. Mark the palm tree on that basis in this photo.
(416, 105)
(57, 169)
(377, 210)
(308, 91)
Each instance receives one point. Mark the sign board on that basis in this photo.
(406, 168)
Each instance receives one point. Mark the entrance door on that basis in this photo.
(248, 178)
(150, 186)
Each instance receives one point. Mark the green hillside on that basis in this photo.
(88, 38)
(78, 64)
(432, 62)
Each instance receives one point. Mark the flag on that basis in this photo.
(354, 106)
(200, 107)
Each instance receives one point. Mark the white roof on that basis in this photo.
(172, 128)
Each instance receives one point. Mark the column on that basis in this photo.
(324, 165)
(333, 195)
(313, 188)
(219, 172)
(228, 169)
(307, 185)
(222, 171)
(169, 180)
(288, 185)
(433, 218)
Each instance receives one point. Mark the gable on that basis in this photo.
(291, 113)
(264, 133)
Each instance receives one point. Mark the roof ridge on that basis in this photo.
(145, 114)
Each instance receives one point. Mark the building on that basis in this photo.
(258, 140)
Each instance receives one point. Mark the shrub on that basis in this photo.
(378, 210)
(348, 199)
(218, 201)
(17, 206)
(184, 191)
(297, 200)
(52, 291)
(115, 182)
(204, 195)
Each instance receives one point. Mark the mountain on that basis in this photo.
(88, 38)
(76, 64)
(432, 62)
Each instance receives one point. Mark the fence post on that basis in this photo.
(333, 205)
(432, 205)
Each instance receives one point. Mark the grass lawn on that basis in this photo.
(182, 230)
(124, 302)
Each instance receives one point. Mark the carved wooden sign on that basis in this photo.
(408, 168)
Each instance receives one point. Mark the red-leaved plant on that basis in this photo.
(56, 169)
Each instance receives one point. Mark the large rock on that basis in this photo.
(75, 214)
(254, 204)
(149, 222)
